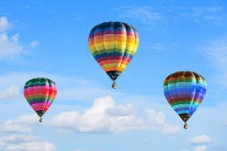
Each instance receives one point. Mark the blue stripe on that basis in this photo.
(189, 106)
(117, 54)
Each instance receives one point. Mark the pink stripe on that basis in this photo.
(38, 106)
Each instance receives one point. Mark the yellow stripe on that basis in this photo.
(113, 66)
(99, 46)
(92, 48)
(109, 45)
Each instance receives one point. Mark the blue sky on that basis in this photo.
(49, 38)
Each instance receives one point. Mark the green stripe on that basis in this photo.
(194, 105)
(99, 52)
(39, 81)
(30, 100)
(181, 102)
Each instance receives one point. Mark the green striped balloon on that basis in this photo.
(40, 94)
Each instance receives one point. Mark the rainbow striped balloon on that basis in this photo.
(185, 91)
(40, 94)
(113, 44)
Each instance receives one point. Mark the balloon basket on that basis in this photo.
(185, 126)
(40, 120)
(114, 85)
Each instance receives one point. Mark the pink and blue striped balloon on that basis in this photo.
(40, 94)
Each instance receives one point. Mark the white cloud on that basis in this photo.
(201, 148)
(210, 14)
(158, 47)
(16, 137)
(12, 127)
(9, 46)
(155, 117)
(26, 119)
(9, 93)
(170, 129)
(217, 52)
(30, 146)
(22, 124)
(201, 139)
(101, 117)
(4, 24)
(107, 116)
(15, 142)
(34, 43)
(67, 119)
(135, 12)
(121, 110)
(2, 144)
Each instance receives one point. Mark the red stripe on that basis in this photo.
(120, 32)
(98, 34)
(105, 60)
(113, 58)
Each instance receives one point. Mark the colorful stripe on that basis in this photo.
(113, 44)
(40, 94)
(184, 91)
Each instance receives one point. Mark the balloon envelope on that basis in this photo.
(185, 91)
(40, 94)
(113, 44)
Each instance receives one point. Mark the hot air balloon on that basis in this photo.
(113, 44)
(184, 91)
(40, 94)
